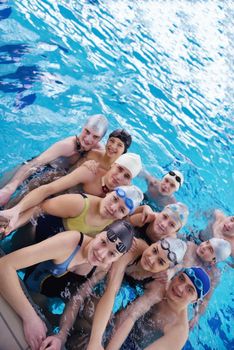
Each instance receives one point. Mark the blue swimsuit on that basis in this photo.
(52, 279)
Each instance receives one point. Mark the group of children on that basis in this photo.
(80, 221)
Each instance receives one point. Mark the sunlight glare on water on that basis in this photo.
(161, 69)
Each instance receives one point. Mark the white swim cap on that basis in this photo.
(130, 161)
(176, 249)
(175, 176)
(178, 211)
(98, 122)
(222, 248)
(131, 195)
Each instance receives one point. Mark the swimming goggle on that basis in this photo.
(178, 179)
(196, 281)
(128, 201)
(112, 236)
(171, 255)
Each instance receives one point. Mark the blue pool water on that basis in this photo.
(161, 69)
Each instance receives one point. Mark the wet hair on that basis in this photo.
(124, 136)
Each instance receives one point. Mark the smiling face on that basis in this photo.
(154, 259)
(181, 290)
(102, 251)
(114, 147)
(118, 175)
(228, 226)
(162, 226)
(167, 186)
(113, 207)
(205, 252)
(89, 138)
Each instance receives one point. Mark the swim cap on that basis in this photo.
(124, 136)
(178, 211)
(130, 161)
(131, 195)
(99, 123)
(222, 248)
(175, 176)
(200, 280)
(176, 249)
(122, 230)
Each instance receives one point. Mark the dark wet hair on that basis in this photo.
(124, 136)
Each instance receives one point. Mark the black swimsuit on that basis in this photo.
(51, 279)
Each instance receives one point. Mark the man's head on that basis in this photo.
(171, 182)
(125, 168)
(108, 246)
(164, 254)
(169, 221)
(214, 250)
(121, 202)
(118, 142)
(92, 132)
(188, 286)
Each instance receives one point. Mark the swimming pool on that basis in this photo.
(163, 70)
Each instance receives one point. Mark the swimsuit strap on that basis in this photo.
(91, 272)
(64, 265)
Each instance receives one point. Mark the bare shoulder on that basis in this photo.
(70, 140)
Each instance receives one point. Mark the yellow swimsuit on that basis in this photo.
(78, 223)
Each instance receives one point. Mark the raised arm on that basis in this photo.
(69, 316)
(142, 215)
(10, 288)
(85, 173)
(127, 317)
(64, 148)
(104, 307)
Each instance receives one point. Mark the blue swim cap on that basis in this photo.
(200, 280)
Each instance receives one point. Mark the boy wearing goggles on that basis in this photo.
(207, 255)
(160, 192)
(168, 317)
